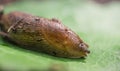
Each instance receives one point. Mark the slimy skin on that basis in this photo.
(44, 35)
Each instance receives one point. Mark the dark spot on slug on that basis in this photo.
(37, 19)
(55, 20)
(14, 31)
(66, 29)
(57, 41)
(38, 40)
(54, 53)
(81, 45)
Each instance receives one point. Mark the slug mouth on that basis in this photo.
(86, 52)
(82, 54)
(84, 48)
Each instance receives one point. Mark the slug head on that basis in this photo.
(76, 47)
(78, 51)
(67, 42)
(84, 48)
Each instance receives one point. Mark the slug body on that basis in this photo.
(45, 35)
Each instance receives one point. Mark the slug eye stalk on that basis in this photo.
(84, 47)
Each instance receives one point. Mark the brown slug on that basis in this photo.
(45, 35)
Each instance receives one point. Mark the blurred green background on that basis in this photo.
(97, 24)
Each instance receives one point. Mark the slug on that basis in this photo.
(49, 36)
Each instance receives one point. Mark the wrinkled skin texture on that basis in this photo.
(44, 35)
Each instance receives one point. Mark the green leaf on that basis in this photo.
(97, 25)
